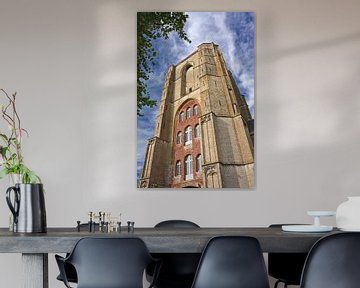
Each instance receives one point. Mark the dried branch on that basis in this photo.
(10, 153)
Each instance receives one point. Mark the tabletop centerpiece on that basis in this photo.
(26, 197)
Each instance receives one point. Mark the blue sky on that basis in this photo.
(232, 31)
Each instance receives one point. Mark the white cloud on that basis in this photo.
(211, 27)
(248, 82)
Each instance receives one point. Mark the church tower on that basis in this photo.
(204, 135)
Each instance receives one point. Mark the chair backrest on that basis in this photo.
(286, 266)
(232, 262)
(110, 262)
(333, 262)
(176, 224)
(178, 269)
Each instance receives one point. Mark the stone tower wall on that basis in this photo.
(226, 146)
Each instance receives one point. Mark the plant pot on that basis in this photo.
(14, 179)
(348, 214)
(27, 207)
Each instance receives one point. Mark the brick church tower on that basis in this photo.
(204, 134)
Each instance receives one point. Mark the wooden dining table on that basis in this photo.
(35, 247)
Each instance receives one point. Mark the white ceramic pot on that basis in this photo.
(348, 214)
(14, 179)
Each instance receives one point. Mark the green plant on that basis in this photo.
(11, 159)
(151, 26)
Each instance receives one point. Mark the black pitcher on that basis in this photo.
(28, 207)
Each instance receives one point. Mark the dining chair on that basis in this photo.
(69, 269)
(178, 269)
(333, 262)
(232, 262)
(108, 263)
(285, 267)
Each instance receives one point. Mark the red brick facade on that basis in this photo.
(186, 154)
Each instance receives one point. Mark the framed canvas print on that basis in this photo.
(195, 96)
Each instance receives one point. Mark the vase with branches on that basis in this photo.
(11, 158)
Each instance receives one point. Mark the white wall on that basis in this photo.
(73, 65)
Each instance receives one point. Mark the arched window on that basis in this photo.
(189, 80)
(178, 168)
(198, 163)
(188, 167)
(182, 116)
(235, 108)
(179, 138)
(188, 112)
(196, 110)
(188, 135)
(197, 131)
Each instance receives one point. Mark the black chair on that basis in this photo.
(232, 262)
(286, 267)
(333, 262)
(178, 269)
(69, 269)
(176, 224)
(108, 263)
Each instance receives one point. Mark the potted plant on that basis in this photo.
(26, 198)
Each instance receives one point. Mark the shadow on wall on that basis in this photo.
(348, 39)
(307, 115)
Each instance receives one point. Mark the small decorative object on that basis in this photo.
(131, 226)
(78, 225)
(316, 227)
(348, 214)
(105, 222)
(25, 197)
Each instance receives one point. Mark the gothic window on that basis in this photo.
(178, 138)
(189, 80)
(235, 108)
(188, 112)
(188, 138)
(188, 167)
(196, 110)
(182, 116)
(178, 168)
(197, 131)
(198, 163)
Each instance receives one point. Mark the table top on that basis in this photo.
(158, 240)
